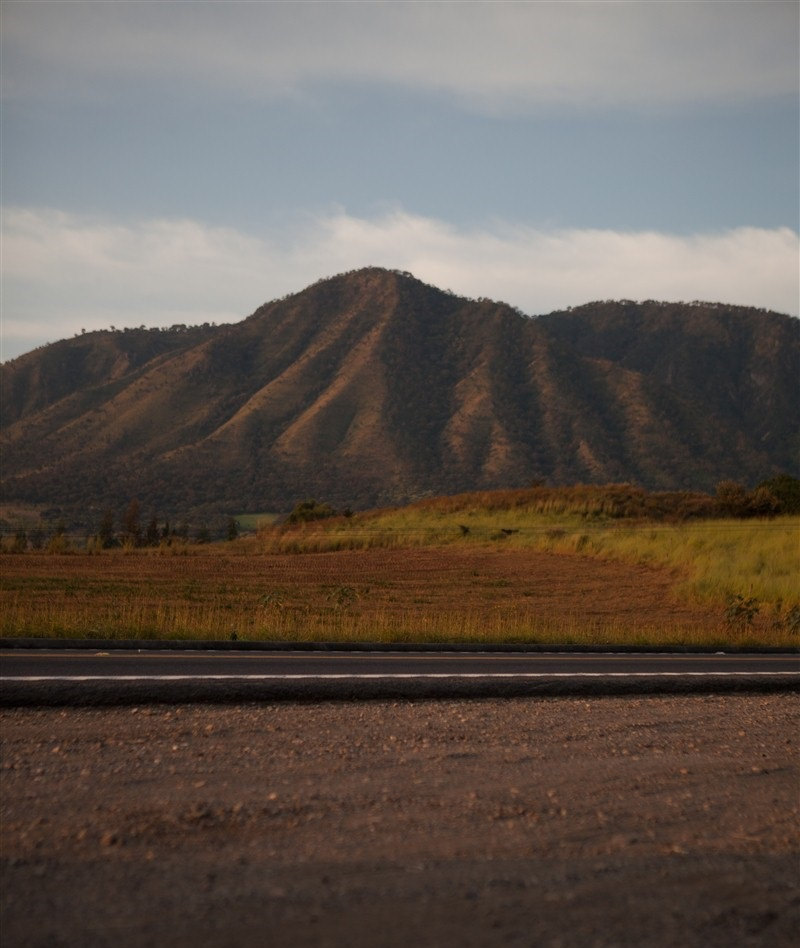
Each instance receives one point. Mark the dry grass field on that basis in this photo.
(582, 564)
(452, 593)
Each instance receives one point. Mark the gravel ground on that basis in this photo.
(558, 822)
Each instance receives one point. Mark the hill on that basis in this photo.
(374, 388)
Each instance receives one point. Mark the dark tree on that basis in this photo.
(152, 536)
(131, 523)
(105, 532)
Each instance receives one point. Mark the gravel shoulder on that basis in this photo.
(660, 820)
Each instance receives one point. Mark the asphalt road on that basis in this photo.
(64, 675)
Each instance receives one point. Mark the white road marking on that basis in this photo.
(357, 677)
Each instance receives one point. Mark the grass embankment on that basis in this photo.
(715, 560)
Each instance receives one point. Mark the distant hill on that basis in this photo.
(373, 388)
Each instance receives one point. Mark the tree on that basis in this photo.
(131, 523)
(105, 532)
(152, 535)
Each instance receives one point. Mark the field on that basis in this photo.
(460, 592)
(611, 564)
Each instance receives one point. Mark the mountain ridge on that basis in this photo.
(372, 387)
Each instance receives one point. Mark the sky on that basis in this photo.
(185, 162)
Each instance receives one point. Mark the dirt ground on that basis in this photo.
(558, 822)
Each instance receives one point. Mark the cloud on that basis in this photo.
(489, 55)
(63, 272)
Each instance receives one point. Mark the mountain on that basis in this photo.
(374, 388)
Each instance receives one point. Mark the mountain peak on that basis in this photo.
(371, 279)
(373, 387)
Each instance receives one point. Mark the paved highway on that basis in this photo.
(62, 675)
(181, 662)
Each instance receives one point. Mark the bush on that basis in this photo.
(308, 510)
(741, 610)
(786, 489)
(732, 499)
(59, 543)
(763, 503)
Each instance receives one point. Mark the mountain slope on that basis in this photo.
(372, 387)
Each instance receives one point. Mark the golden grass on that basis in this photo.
(218, 620)
(720, 558)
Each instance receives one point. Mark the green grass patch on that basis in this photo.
(255, 521)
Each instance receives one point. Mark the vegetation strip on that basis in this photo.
(136, 645)
(401, 675)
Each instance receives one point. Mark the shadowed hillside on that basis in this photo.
(375, 388)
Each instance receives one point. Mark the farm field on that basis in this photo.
(608, 564)
(442, 593)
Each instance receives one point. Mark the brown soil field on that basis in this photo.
(427, 594)
(658, 821)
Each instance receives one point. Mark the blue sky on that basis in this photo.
(185, 162)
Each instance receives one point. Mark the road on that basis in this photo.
(61, 675)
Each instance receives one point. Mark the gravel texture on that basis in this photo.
(661, 820)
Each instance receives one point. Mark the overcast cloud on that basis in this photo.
(91, 272)
(490, 55)
(187, 161)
